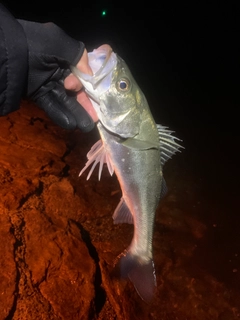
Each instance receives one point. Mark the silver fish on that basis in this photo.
(135, 148)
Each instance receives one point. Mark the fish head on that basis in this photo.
(115, 95)
(122, 103)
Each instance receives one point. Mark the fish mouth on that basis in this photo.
(97, 77)
(99, 73)
(106, 58)
(102, 62)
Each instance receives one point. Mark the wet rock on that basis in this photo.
(46, 269)
(8, 270)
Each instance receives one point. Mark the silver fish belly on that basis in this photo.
(135, 148)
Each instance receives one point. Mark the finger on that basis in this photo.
(72, 83)
(84, 101)
(83, 64)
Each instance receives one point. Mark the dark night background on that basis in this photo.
(185, 57)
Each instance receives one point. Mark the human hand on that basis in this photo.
(51, 52)
(72, 83)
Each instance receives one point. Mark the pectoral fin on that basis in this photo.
(139, 144)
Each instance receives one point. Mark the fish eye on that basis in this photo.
(123, 84)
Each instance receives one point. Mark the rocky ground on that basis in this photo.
(58, 244)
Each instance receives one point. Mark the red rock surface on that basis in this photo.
(58, 244)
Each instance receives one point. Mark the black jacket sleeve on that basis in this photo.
(35, 59)
(51, 52)
(13, 62)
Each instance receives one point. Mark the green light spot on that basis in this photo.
(104, 12)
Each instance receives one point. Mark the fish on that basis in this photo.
(135, 148)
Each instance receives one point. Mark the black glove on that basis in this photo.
(51, 51)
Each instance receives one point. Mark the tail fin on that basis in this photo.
(141, 274)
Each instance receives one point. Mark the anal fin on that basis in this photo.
(122, 213)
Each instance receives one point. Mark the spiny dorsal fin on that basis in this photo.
(97, 154)
(168, 144)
